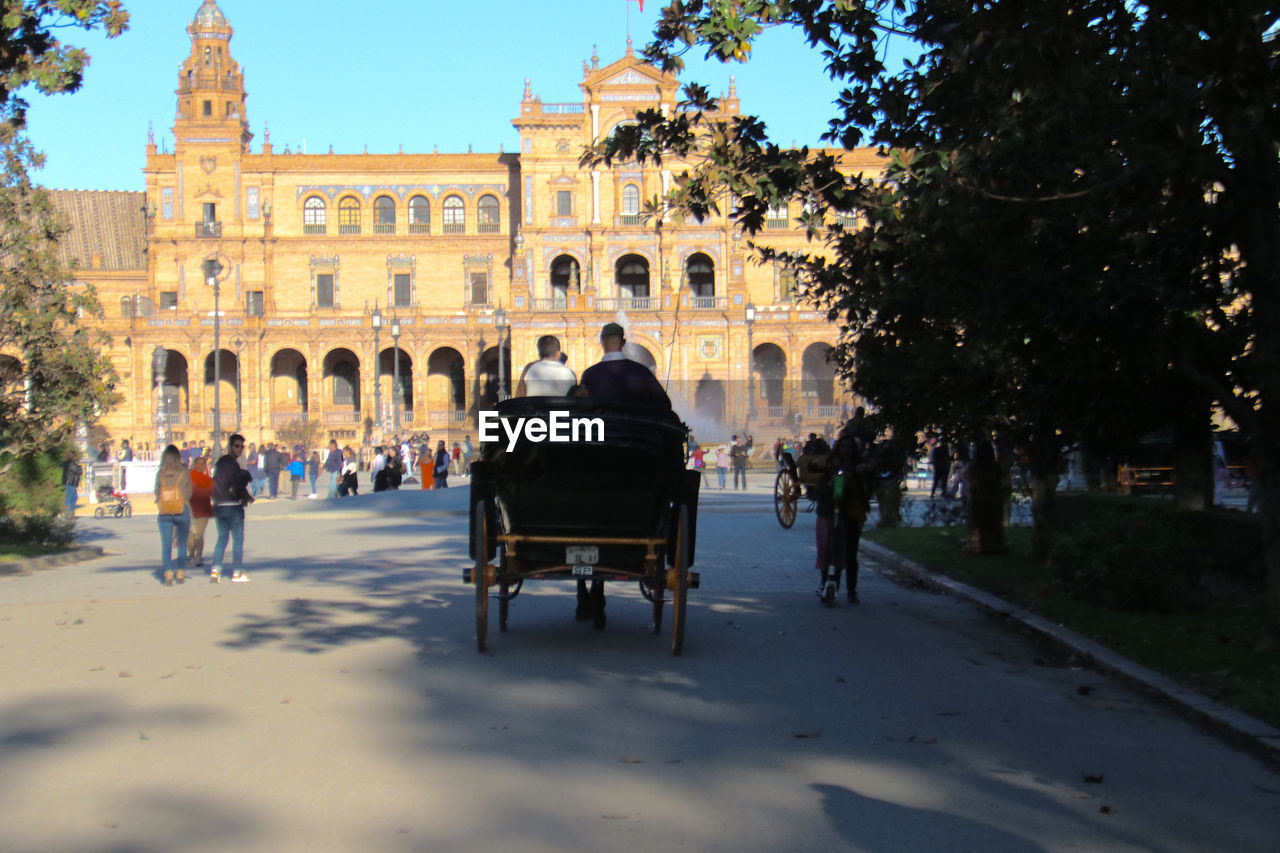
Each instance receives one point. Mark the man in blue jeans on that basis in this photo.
(332, 467)
(71, 481)
(230, 494)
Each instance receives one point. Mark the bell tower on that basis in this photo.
(211, 96)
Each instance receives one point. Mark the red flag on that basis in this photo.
(641, 2)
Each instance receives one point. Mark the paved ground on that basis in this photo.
(337, 702)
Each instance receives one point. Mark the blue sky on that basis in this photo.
(417, 73)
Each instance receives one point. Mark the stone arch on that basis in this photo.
(700, 275)
(565, 275)
(632, 275)
(817, 375)
(342, 380)
(176, 383)
(769, 364)
(446, 386)
(288, 381)
(387, 378)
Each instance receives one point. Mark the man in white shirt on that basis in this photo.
(548, 376)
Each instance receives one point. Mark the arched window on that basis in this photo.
(564, 275)
(384, 215)
(126, 306)
(349, 216)
(487, 215)
(701, 276)
(455, 216)
(630, 205)
(419, 215)
(313, 216)
(777, 217)
(633, 280)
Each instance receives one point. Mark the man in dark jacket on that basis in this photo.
(271, 468)
(617, 378)
(333, 467)
(230, 495)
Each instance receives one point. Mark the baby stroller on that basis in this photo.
(112, 503)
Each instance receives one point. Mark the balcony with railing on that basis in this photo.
(488, 228)
(708, 303)
(279, 419)
(419, 227)
(348, 229)
(209, 229)
(315, 229)
(455, 228)
(559, 303)
(341, 418)
(629, 219)
(624, 303)
(384, 228)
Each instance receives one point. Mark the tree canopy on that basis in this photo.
(54, 373)
(1077, 228)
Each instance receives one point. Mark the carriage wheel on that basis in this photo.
(478, 574)
(786, 495)
(680, 591)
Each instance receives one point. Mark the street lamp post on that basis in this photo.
(159, 360)
(376, 319)
(751, 366)
(239, 342)
(396, 391)
(500, 319)
(213, 269)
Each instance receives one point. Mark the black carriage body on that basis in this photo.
(622, 479)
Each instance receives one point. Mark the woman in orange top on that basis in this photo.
(201, 509)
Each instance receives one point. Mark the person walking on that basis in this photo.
(456, 455)
(230, 496)
(738, 455)
(941, 461)
(333, 467)
(722, 464)
(468, 451)
(201, 510)
(173, 500)
(271, 465)
(71, 473)
(442, 466)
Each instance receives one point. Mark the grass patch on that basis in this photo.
(10, 552)
(1205, 636)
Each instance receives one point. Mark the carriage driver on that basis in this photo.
(615, 378)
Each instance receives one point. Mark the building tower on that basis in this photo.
(211, 96)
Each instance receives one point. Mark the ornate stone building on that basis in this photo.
(360, 290)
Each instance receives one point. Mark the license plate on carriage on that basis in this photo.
(583, 558)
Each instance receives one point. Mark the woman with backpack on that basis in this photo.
(173, 505)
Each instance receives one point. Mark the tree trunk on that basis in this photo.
(1045, 459)
(1044, 490)
(1193, 461)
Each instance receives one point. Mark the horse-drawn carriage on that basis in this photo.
(613, 502)
(796, 478)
